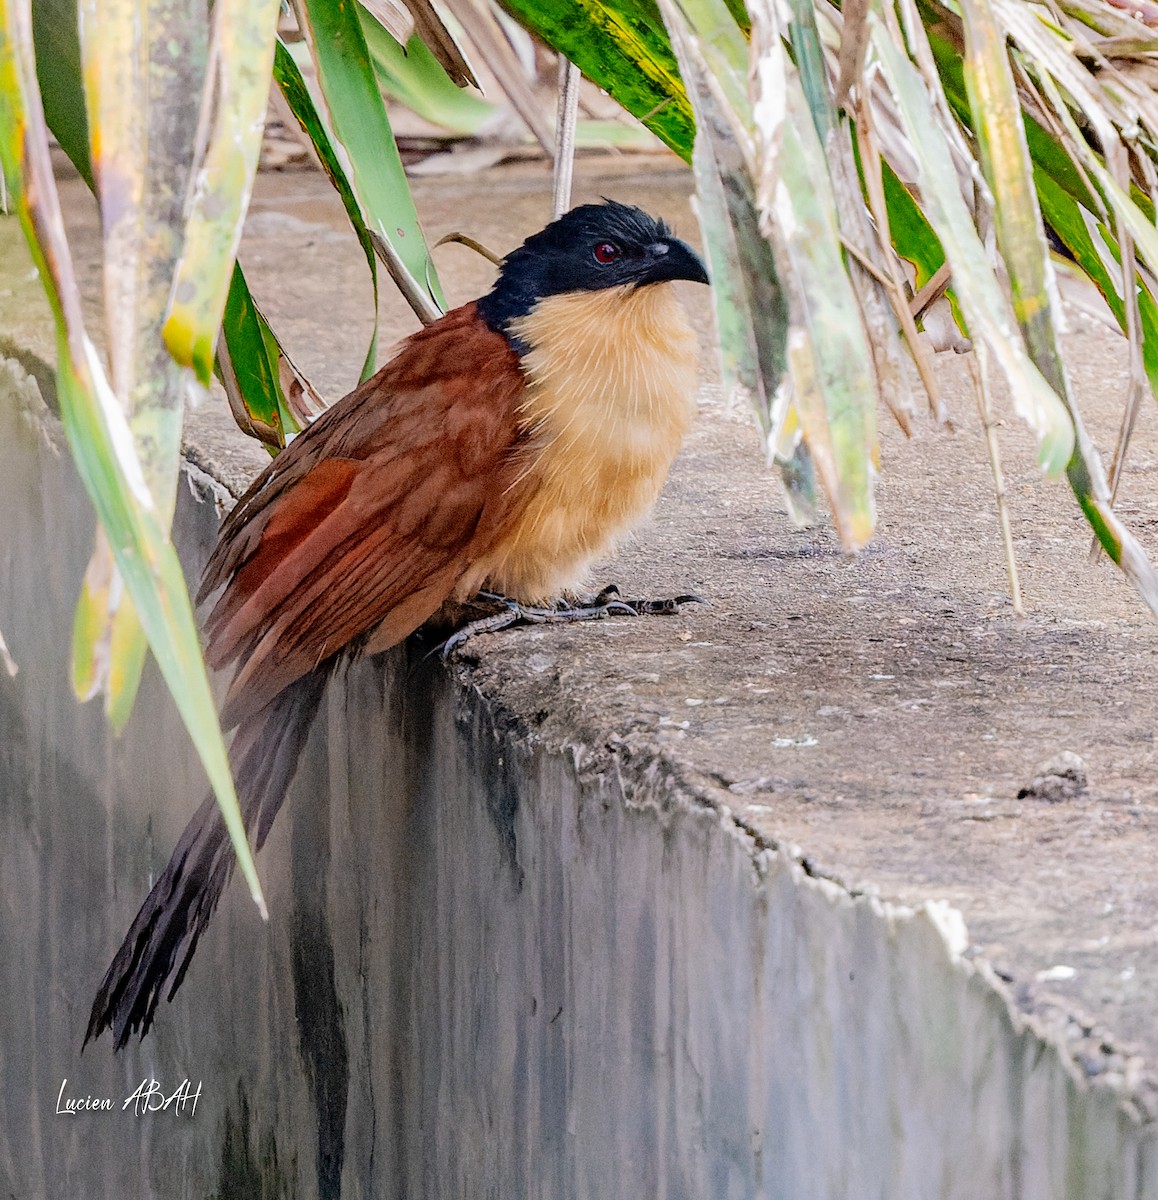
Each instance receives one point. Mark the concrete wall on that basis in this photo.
(496, 967)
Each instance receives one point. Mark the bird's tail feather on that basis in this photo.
(158, 948)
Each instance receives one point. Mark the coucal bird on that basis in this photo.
(502, 449)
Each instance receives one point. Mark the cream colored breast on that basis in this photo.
(611, 394)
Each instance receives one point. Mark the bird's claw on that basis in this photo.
(668, 606)
(606, 603)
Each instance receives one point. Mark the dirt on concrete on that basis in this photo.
(886, 713)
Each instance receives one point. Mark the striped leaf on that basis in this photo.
(623, 47)
(98, 431)
(363, 144)
(243, 43)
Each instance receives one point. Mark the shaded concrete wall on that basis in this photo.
(495, 968)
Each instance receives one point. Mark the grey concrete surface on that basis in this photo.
(641, 908)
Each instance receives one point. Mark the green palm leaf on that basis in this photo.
(98, 432)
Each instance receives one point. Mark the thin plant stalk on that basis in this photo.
(978, 371)
(568, 115)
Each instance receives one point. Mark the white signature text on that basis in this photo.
(147, 1097)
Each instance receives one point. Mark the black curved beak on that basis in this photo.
(673, 259)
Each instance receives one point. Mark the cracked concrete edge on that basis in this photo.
(901, 1077)
(1085, 1051)
(204, 486)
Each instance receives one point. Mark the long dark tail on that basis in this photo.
(159, 946)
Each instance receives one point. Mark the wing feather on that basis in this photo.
(369, 518)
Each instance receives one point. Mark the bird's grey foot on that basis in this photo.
(606, 603)
(609, 600)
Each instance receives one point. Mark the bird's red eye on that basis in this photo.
(606, 252)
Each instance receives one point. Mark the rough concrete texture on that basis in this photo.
(610, 910)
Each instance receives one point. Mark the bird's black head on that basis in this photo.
(592, 247)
